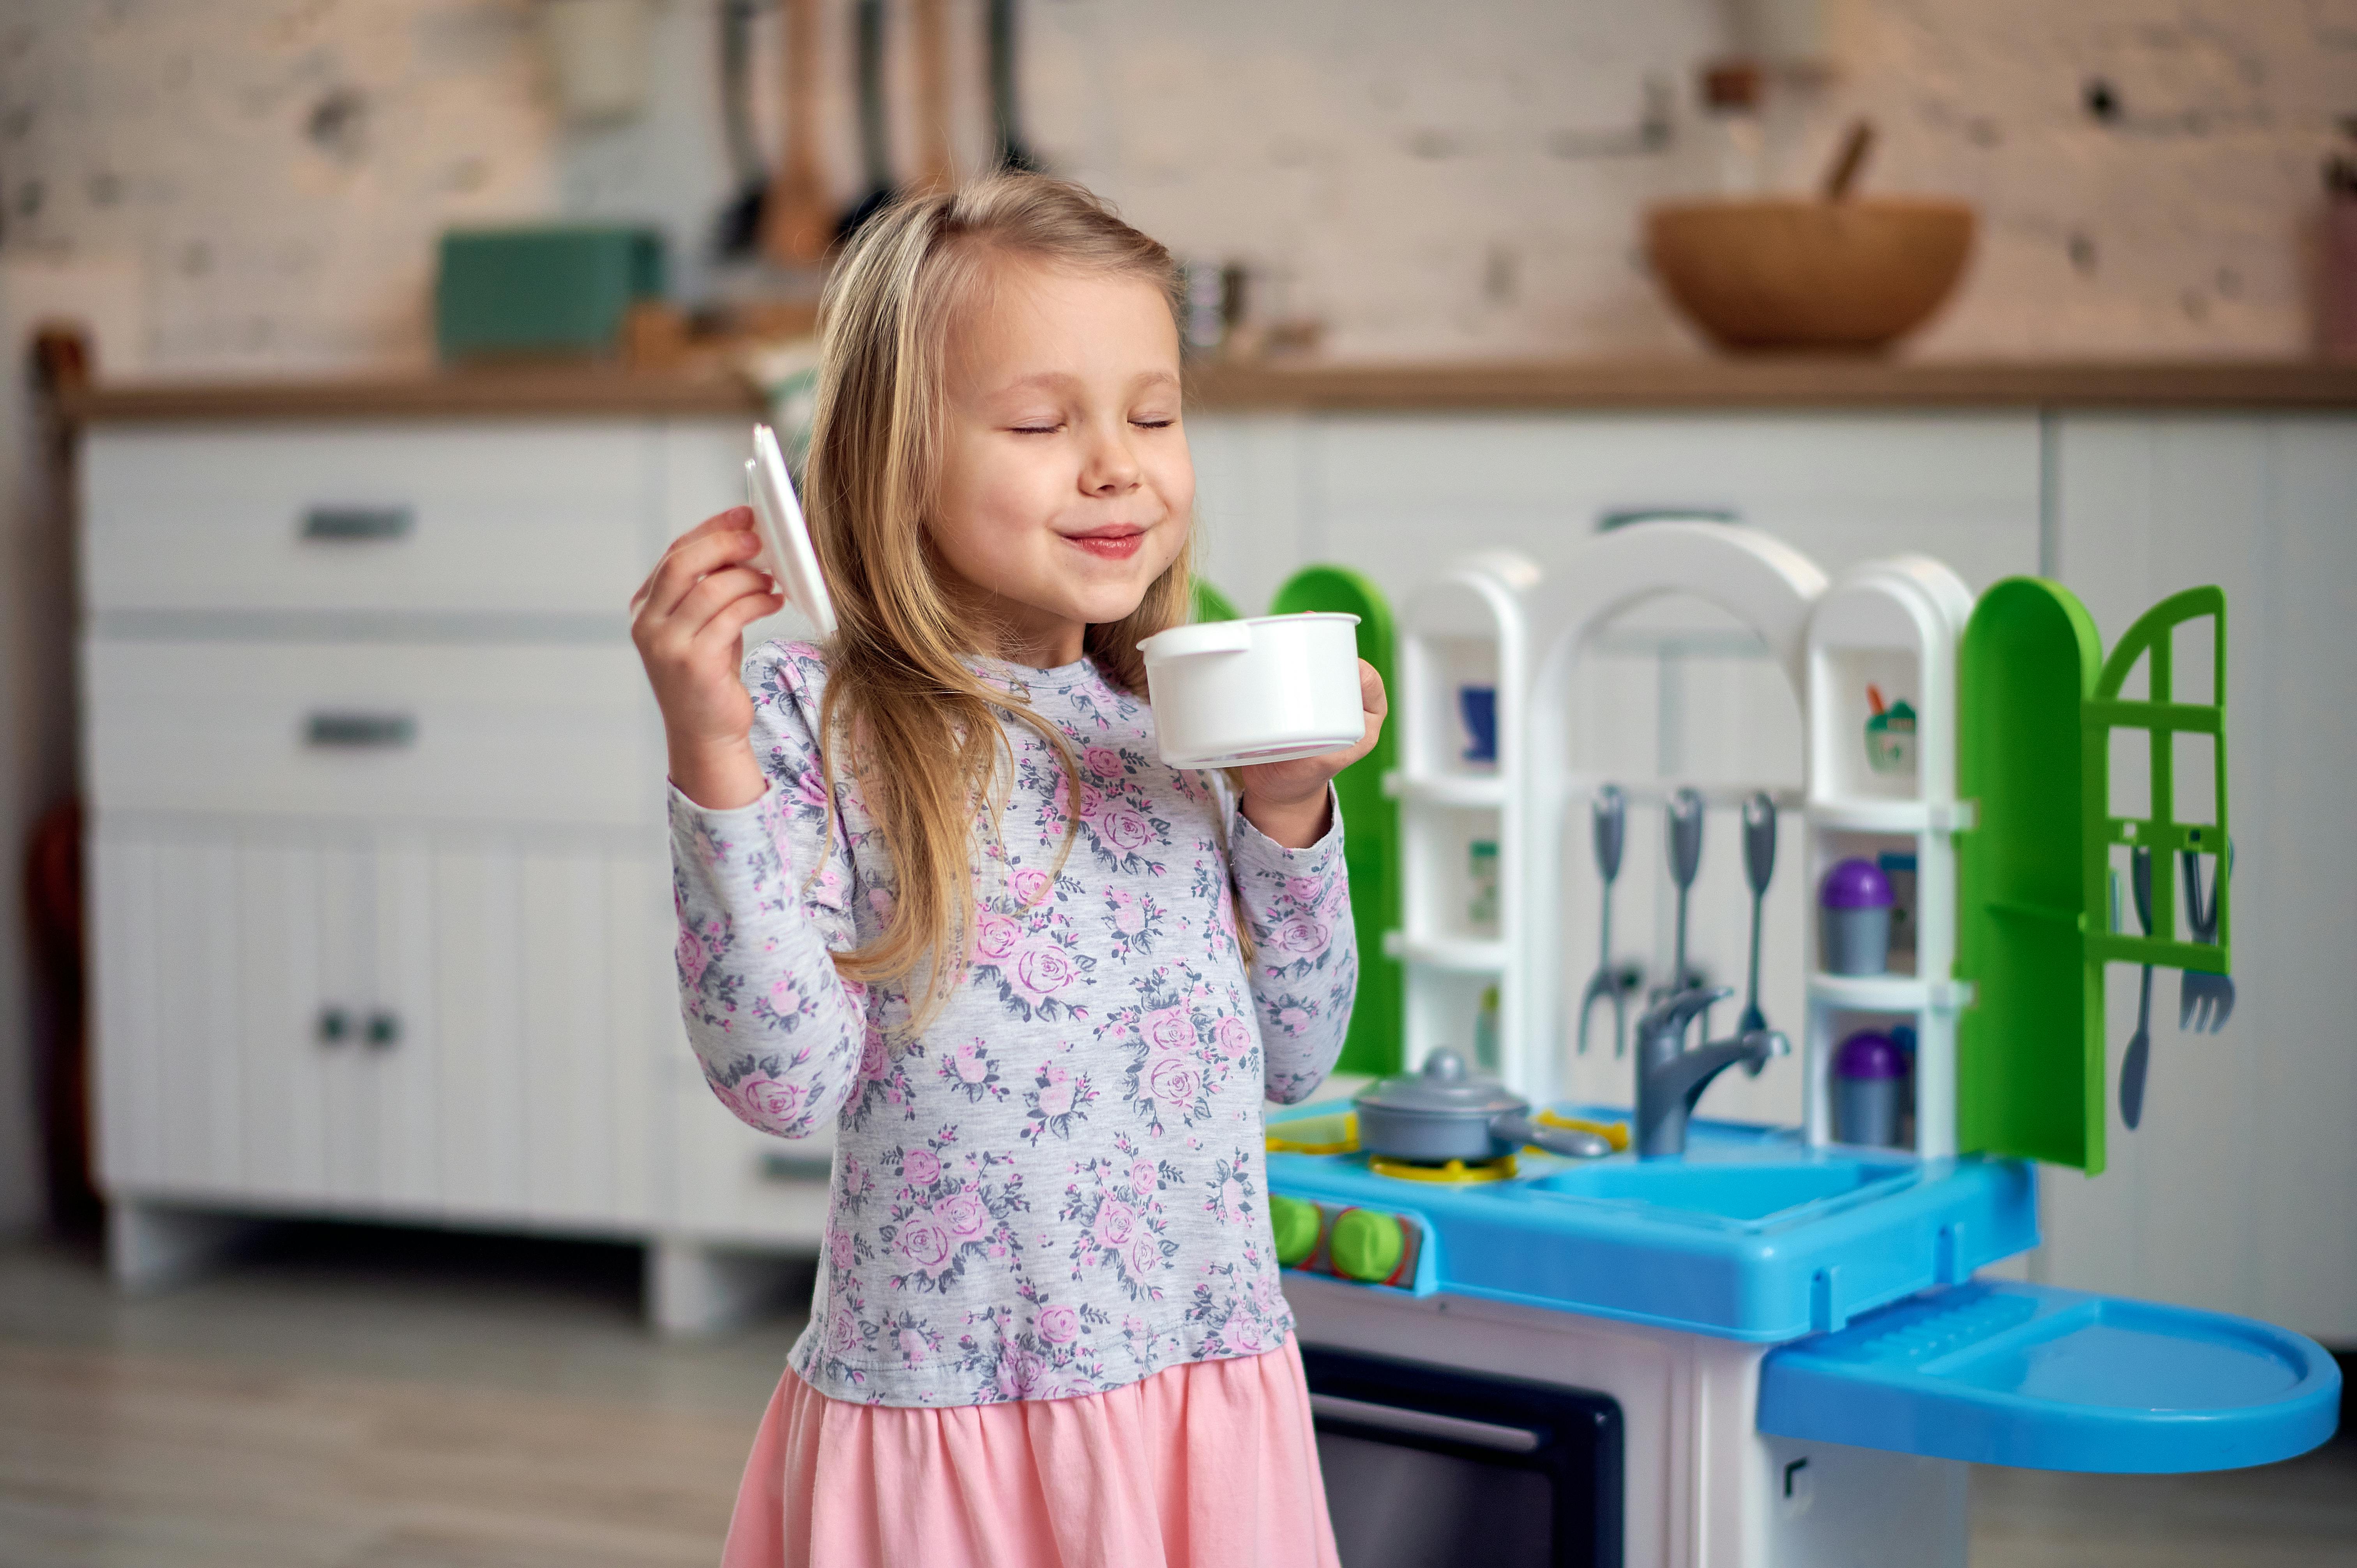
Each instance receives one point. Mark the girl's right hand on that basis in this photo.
(688, 619)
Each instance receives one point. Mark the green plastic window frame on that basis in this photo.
(2162, 719)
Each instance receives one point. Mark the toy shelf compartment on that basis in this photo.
(1881, 711)
(1463, 653)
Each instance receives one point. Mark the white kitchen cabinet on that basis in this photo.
(381, 888)
(399, 1023)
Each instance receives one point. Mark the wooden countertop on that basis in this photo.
(1778, 382)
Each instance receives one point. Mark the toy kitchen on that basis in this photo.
(1546, 1323)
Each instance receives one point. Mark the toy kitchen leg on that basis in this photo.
(1700, 1486)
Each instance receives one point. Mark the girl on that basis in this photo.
(937, 890)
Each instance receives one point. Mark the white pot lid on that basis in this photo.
(785, 539)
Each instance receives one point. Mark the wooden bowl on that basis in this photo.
(1853, 275)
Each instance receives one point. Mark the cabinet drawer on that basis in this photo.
(554, 734)
(541, 519)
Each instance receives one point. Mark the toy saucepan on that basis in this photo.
(1448, 1111)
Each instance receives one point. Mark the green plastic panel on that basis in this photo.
(1213, 605)
(2029, 1051)
(1369, 822)
(2162, 719)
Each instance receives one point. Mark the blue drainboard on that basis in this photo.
(2045, 1379)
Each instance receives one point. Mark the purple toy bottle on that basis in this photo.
(1856, 900)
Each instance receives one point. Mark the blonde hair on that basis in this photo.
(920, 728)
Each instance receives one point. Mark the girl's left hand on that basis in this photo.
(1286, 800)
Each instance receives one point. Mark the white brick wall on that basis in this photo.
(278, 169)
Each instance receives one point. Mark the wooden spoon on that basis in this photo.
(1856, 143)
(797, 222)
(936, 160)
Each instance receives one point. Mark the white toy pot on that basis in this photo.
(1230, 692)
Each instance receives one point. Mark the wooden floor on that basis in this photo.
(359, 1398)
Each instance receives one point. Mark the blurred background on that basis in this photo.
(362, 354)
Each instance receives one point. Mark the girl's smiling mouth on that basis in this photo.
(1114, 541)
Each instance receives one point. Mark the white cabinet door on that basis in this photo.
(551, 998)
(2235, 1194)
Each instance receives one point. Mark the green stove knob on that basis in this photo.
(1367, 1245)
(1296, 1224)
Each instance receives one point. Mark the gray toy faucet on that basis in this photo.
(1670, 1079)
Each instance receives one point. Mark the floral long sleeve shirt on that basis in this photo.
(1058, 1188)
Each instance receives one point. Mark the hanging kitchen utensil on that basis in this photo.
(1682, 818)
(738, 230)
(2204, 1001)
(936, 160)
(795, 227)
(1012, 152)
(1610, 825)
(1448, 1111)
(875, 148)
(1759, 865)
(2139, 1051)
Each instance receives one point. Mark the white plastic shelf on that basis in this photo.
(1467, 789)
(1459, 955)
(1854, 814)
(1889, 993)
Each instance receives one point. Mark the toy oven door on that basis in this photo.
(1425, 1465)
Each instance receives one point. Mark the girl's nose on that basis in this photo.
(1109, 467)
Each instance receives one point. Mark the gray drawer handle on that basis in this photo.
(358, 732)
(797, 1167)
(358, 522)
(1425, 1423)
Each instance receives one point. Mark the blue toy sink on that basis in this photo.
(1742, 1188)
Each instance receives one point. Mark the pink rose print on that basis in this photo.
(995, 936)
(1169, 1029)
(1043, 969)
(923, 1241)
(1128, 918)
(1115, 1221)
(692, 959)
(879, 900)
(1305, 890)
(1144, 1178)
(838, 1248)
(855, 1176)
(1103, 761)
(810, 789)
(1125, 830)
(770, 1099)
(922, 1166)
(1232, 1197)
(970, 1063)
(1234, 1037)
(841, 1330)
(873, 1054)
(1293, 1020)
(963, 1214)
(1303, 935)
(1145, 1254)
(1093, 803)
(1242, 1333)
(1058, 1325)
(1032, 887)
(912, 1345)
(1055, 1096)
(1174, 1080)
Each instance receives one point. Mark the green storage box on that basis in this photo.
(545, 289)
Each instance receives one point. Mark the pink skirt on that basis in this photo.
(1209, 1465)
